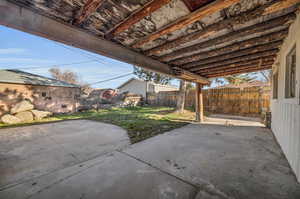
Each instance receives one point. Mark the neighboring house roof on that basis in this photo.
(247, 84)
(21, 77)
(154, 84)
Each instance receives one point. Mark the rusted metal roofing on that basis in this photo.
(210, 38)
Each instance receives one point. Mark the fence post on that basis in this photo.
(199, 103)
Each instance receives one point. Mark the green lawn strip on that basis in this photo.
(140, 122)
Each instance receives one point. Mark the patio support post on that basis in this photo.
(199, 103)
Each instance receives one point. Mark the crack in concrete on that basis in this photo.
(204, 186)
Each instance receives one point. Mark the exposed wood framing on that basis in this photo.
(195, 4)
(279, 5)
(266, 26)
(188, 76)
(89, 7)
(256, 63)
(264, 60)
(239, 71)
(224, 24)
(277, 36)
(26, 20)
(237, 59)
(187, 20)
(239, 53)
(137, 16)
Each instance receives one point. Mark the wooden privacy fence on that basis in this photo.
(251, 101)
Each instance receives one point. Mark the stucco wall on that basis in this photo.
(54, 99)
(286, 112)
(134, 86)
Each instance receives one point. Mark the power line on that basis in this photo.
(118, 77)
(97, 59)
(49, 66)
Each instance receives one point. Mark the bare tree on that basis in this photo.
(66, 76)
(69, 77)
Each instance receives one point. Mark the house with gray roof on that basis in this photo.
(44, 93)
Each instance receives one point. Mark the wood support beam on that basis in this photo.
(269, 54)
(269, 38)
(23, 19)
(261, 61)
(239, 53)
(188, 76)
(89, 7)
(244, 17)
(137, 16)
(263, 27)
(240, 67)
(187, 20)
(279, 5)
(249, 70)
(199, 107)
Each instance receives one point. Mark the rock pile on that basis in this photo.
(24, 112)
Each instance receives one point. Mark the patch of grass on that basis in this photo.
(140, 122)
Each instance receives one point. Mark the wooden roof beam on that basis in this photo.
(269, 53)
(224, 24)
(239, 53)
(260, 28)
(269, 38)
(137, 16)
(188, 76)
(187, 20)
(263, 60)
(89, 7)
(240, 71)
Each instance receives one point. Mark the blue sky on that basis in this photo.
(21, 50)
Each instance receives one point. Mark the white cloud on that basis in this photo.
(5, 51)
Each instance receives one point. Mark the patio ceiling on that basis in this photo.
(189, 39)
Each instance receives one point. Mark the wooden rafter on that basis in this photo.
(187, 20)
(237, 59)
(272, 37)
(238, 53)
(239, 71)
(257, 62)
(137, 16)
(224, 24)
(89, 7)
(266, 26)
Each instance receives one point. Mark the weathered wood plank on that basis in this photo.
(249, 70)
(282, 21)
(261, 61)
(269, 53)
(23, 19)
(238, 53)
(211, 29)
(277, 36)
(237, 67)
(89, 7)
(279, 5)
(187, 20)
(137, 16)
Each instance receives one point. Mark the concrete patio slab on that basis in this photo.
(28, 152)
(115, 176)
(237, 161)
(220, 159)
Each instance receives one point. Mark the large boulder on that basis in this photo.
(10, 119)
(21, 107)
(25, 116)
(40, 114)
